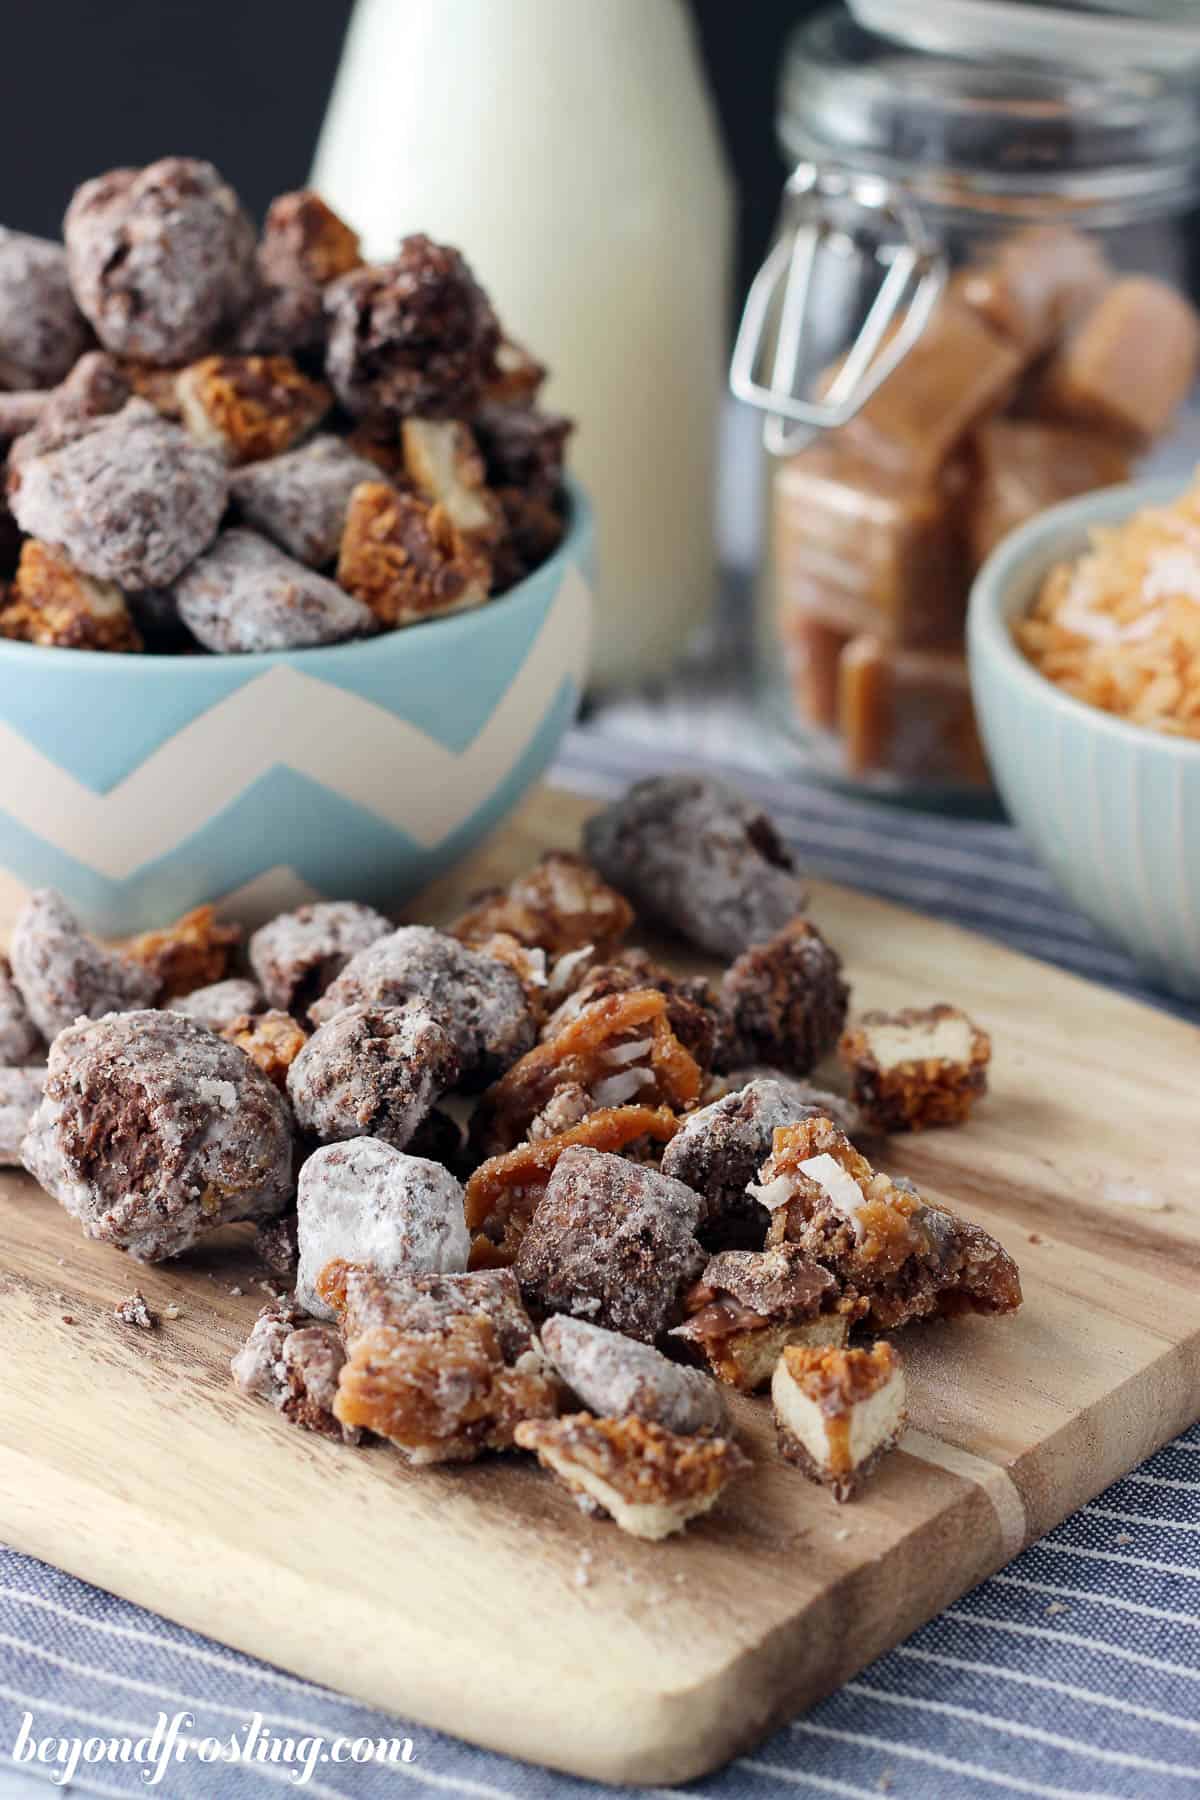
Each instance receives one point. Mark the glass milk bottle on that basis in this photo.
(569, 148)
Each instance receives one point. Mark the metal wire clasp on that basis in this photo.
(819, 202)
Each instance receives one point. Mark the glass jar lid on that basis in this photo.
(978, 131)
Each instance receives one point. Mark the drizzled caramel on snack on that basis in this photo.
(406, 559)
(250, 407)
(916, 1068)
(51, 602)
(273, 1040)
(560, 904)
(194, 952)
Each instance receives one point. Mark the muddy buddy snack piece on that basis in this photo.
(244, 595)
(558, 905)
(366, 1203)
(503, 1193)
(63, 975)
(838, 1412)
(478, 1000)
(246, 408)
(221, 1004)
(277, 1246)
(131, 500)
(413, 337)
(153, 1131)
(194, 952)
(300, 500)
(161, 259)
(408, 560)
(51, 602)
(445, 1366)
(916, 1068)
(616, 1377)
(719, 1149)
(612, 1241)
(694, 856)
(649, 1481)
(303, 247)
(20, 1096)
(20, 1039)
(294, 1366)
(272, 1040)
(515, 378)
(524, 448)
(41, 329)
(691, 1006)
(96, 387)
(809, 1100)
(617, 1050)
(783, 1002)
(297, 954)
(373, 1072)
(442, 461)
(885, 1245)
(749, 1304)
(533, 530)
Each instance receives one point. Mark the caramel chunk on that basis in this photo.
(445, 1366)
(695, 857)
(838, 1412)
(194, 952)
(294, 1365)
(909, 712)
(812, 647)
(300, 500)
(783, 1002)
(366, 1203)
(153, 1131)
(297, 954)
(224, 1003)
(161, 259)
(479, 1001)
(617, 1378)
(617, 1050)
(244, 595)
(691, 1004)
(52, 602)
(904, 1257)
(649, 1481)
(303, 239)
(1131, 363)
(920, 1067)
(750, 1304)
(503, 1193)
(373, 1072)
(1033, 284)
(407, 560)
(611, 1241)
(442, 461)
(273, 1040)
(413, 337)
(1023, 467)
(42, 331)
(560, 904)
(62, 975)
(246, 408)
(20, 1096)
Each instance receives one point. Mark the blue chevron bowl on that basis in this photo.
(141, 786)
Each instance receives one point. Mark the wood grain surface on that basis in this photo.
(479, 1600)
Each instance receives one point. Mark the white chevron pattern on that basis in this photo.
(286, 717)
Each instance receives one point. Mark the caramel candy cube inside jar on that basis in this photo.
(1129, 365)
(908, 712)
(883, 551)
(1024, 466)
(1033, 284)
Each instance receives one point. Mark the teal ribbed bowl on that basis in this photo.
(1113, 810)
(143, 785)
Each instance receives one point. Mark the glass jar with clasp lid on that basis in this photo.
(976, 305)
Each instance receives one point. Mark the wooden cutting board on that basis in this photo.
(480, 1600)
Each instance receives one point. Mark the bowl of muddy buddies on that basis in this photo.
(294, 588)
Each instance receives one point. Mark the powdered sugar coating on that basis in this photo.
(691, 853)
(372, 1072)
(161, 259)
(612, 1241)
(297, 954)
(294, 1366)
(131, 499)
(153, 1131)
(300, 499)
(615, 1376)
(20, 1097)
(219, 1004)
(63, 975)
(480, 1001)
(41, 329)
(95, 388)
(366, 1203)
(20, 1039)
(244, 595)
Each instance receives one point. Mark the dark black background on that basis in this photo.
(86, 85)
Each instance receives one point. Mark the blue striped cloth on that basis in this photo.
(1072, 1675)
